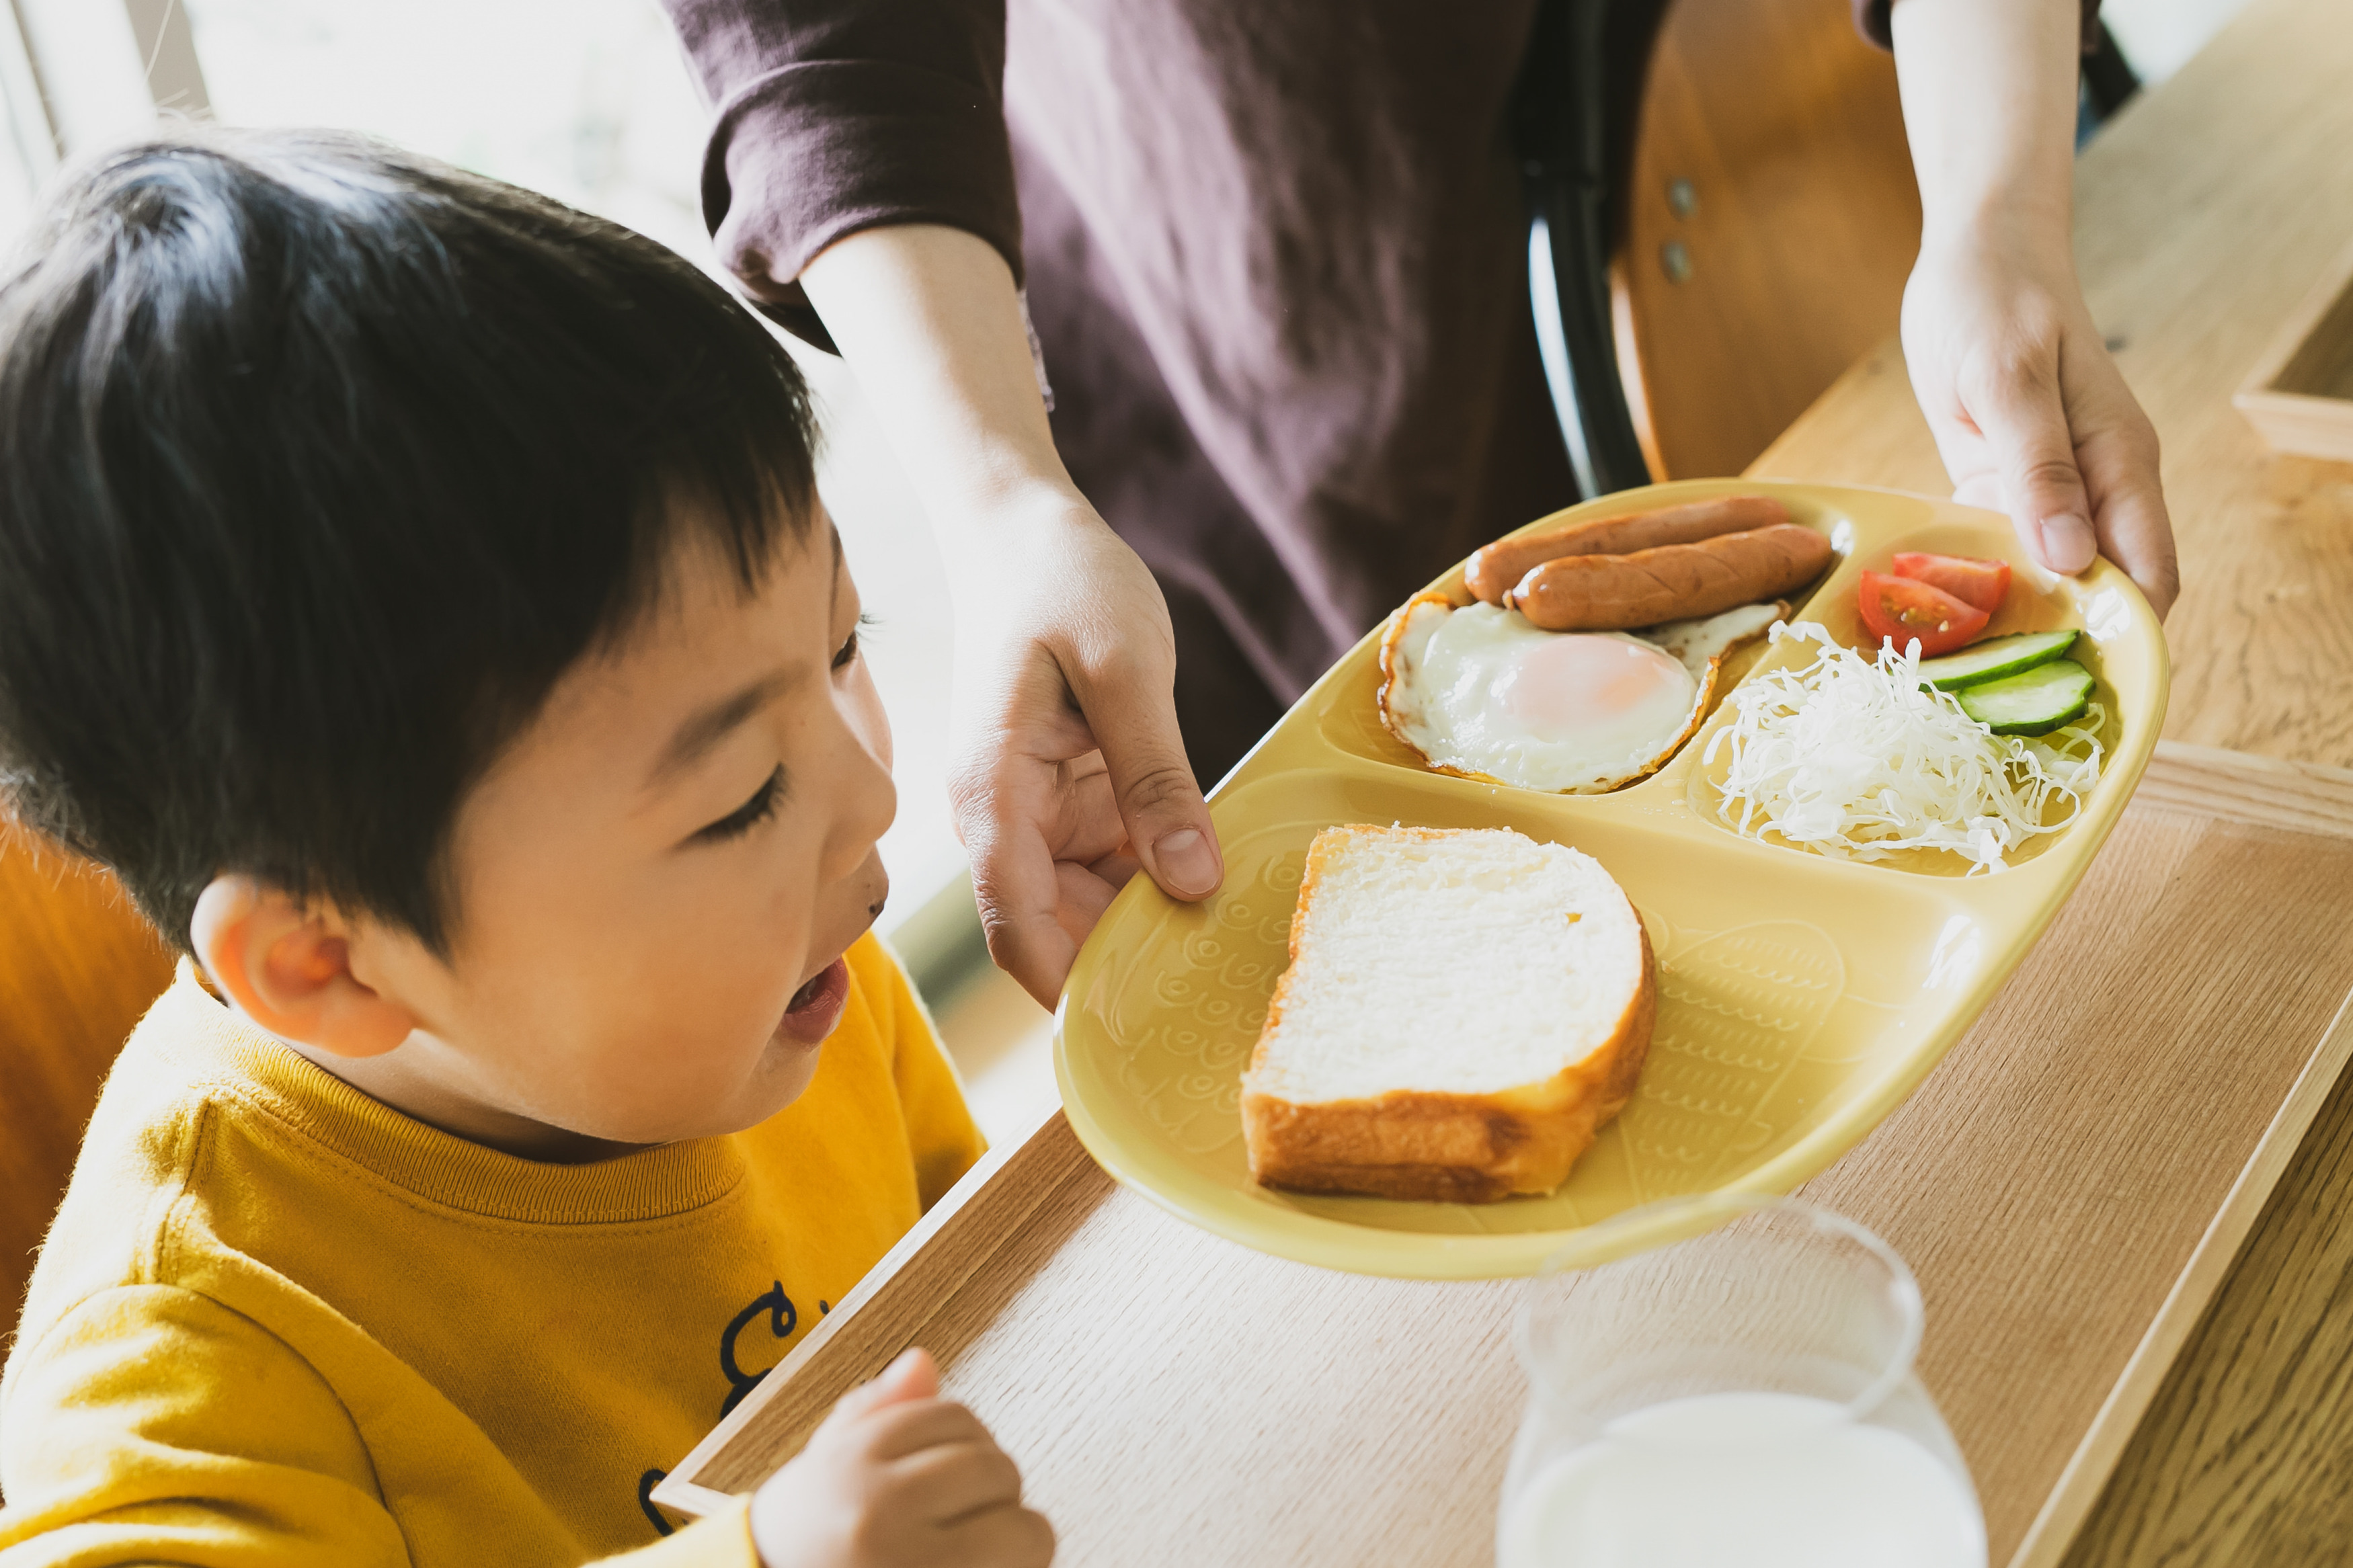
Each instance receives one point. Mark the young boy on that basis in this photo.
(416, 592)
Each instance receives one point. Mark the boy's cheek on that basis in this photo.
(733, 1096)
(869, 719)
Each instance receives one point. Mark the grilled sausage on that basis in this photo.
(1493, 571)
(1670, 582)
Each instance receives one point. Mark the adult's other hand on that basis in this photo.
(2032, 415)
(2027, 409)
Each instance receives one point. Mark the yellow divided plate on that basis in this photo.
(1800, 999)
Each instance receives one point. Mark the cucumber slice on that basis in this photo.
(2035, 703)
(1996, 658)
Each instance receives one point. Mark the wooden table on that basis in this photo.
(2205, 213)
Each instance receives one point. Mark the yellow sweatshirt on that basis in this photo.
(277, 1323)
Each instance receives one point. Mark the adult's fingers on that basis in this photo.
(2137, 533)
(2135, 530)
(1007, 792)
(2117, 448)
(1016, 884)
(2025, 419)
(1131, 707)
(1086, 893)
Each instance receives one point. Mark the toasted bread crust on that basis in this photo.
(1443, 1147)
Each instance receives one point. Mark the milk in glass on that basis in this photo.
(1759, 1480)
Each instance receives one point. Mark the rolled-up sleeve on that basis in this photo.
(832, 116)
(1871, 19)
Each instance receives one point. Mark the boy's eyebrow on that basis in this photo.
(707, 726)
(711, 723)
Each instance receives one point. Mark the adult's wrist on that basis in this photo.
(1040, 511)
(2035, 231)
(1988, 90)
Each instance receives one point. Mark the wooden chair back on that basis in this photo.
(78, 968)
(1770, 219)
(1721, 218)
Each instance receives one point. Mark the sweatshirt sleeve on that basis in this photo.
(832, 116)
(1871, 20)
(153, 1424)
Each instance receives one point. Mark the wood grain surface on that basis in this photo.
(1174, 1397)
(2246, 1455)
(2207, 214)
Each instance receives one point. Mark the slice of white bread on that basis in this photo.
(1463, 1010)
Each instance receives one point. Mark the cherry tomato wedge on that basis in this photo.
(1980, 583)
(1898, 610)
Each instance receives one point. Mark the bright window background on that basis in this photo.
(586, 100)
(590, 101)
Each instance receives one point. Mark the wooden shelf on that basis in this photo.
(2300, 394)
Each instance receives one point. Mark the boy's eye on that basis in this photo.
(848, 648)
(748, 816)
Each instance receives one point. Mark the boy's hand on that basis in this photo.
(898, 1476)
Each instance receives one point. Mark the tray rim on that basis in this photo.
(1330, 1243)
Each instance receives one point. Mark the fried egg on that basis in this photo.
(1479, 690)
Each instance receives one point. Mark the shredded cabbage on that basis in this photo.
(1855, 758)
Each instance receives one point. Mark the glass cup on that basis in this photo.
(1742, 1394)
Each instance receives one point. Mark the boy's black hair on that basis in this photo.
(320, 462)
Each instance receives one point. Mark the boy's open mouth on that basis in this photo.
(816, 1007)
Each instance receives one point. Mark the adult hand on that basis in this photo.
(898, 1477)
(2027, 409)
(2030, 413)
(1071, 770)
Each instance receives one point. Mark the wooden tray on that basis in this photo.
(2299, 396)
(2070, 1185)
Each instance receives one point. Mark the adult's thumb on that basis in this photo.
(1159, 800)
(2025, 422)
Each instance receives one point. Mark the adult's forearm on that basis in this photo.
(1988, 90)
(929, 321)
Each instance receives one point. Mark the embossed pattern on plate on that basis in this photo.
(1800, 997)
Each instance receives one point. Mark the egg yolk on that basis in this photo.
(1571, 682)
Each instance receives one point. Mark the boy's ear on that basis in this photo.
(287, 968)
